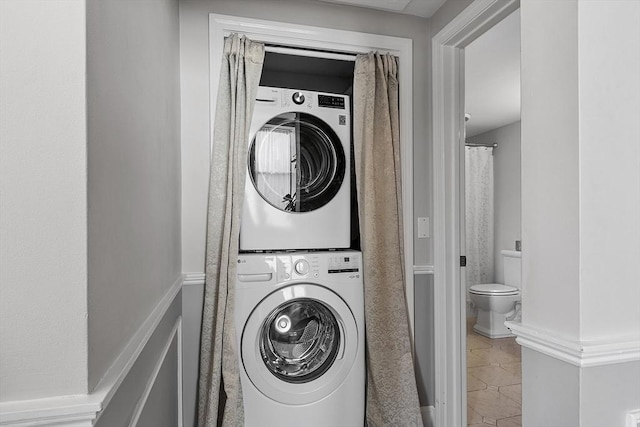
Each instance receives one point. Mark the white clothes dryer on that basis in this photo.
(300, 332)
(297, 191)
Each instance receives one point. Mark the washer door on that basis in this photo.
(299, 344)
(296, 162)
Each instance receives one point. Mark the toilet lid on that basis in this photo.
(493, 289)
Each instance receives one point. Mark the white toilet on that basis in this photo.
(496, 302)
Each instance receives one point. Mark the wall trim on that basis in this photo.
(428, 413)
(175, 335)
(583, 354)
(191, 279)
(422, 269)
(633, 418)
(85, 409)
(447, 96)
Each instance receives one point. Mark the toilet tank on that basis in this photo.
(511, 264)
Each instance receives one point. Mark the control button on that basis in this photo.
(298, 98)
(302, 267)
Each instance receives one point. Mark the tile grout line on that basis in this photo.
(482, 349)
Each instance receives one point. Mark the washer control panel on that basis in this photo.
(313, 266)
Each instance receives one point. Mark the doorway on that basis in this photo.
(450, 308)
(491, 223)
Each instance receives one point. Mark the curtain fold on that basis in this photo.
(220, 394)
(479, 215)
(392, 397)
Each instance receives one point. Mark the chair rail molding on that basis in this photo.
(191, 279)
(448, 122)
(306, 37)
(584, 354)
(422, 269)
(85, 409)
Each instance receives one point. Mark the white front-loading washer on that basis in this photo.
(300, 333)
(297, 190)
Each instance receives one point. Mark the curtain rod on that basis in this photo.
(480, 144)
(310, 53)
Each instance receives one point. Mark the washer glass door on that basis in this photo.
(299, 340)
(296, 162)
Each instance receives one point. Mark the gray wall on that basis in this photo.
(133, 118)
(150, 392)
(506, 168)
(424, 339)
(192, 300)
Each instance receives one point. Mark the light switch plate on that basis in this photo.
(423, 227)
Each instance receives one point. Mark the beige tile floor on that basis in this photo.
(494, 384)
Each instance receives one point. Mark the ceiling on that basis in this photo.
(423, 8)
(492, 64)
(492, 77)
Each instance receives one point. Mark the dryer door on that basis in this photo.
(296, 162)
(299, 344)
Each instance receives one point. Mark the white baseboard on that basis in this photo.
(84, 410)
(579, 353)
(428, 415)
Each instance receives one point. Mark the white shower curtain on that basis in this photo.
(479, 214)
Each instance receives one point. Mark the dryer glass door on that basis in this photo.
(296, 162)
(299, 340)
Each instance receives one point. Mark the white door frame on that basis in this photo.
(448, 140)
(351, 42)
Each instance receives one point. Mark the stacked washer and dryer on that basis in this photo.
(299, 296)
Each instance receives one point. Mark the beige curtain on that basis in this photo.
(220, 393)
(392, 397)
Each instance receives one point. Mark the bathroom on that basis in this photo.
(492, 223)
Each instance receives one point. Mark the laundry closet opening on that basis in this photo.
(303, 70)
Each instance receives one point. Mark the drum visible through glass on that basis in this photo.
(296, 162)
(299, 340)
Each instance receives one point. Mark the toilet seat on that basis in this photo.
(493, 289)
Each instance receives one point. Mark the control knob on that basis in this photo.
(298, 98)
(302, 267)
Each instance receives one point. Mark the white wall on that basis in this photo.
(43, 274)
(609, 66)
(134, 168)
(506, 168)
(581, 207)
(550, 167)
